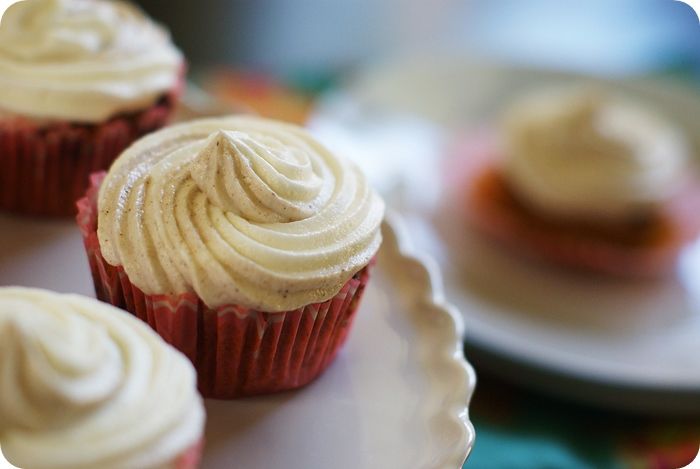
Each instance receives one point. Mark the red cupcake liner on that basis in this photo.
(44, 169)
(511, 225)
(237, 351)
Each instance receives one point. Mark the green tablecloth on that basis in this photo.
(519, 429)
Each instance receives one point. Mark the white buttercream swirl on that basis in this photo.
(85, 385)
(582, 154)
(82, 60)
(240, 210)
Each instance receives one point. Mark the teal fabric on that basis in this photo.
(520, 429)
(521, 448)
(545, 443)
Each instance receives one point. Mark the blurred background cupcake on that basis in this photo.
(79, 81)
(85, 385)
(242, 241)
(586, 178)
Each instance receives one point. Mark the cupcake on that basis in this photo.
(244, 242)
(85, 385)
(79, 81)
(585, 179)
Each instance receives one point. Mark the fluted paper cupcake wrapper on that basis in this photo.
(237, 351)
(44, 169)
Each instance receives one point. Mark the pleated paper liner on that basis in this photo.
(44, 168)
(237, 351)
(649, 249)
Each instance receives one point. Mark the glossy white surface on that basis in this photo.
(396, 396)
(622, 343)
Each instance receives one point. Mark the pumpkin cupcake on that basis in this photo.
(85, 385)
(79, 81)
(242, 241)
(584, 179)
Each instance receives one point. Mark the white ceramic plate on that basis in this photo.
(397, 395)
(627, 344)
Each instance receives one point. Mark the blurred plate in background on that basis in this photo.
(625, 344)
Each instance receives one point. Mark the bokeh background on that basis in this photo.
(291, 38)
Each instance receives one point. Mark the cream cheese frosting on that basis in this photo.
(584, 154)
(82, 60)
(239, 210)
(85, 385)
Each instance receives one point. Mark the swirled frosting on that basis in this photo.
(82, 60)
(85, 385)
(583, 154)
(240, 210)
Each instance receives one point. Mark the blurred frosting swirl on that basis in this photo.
(239, 210)
(582, 154)
(82, 60)
(85, 385)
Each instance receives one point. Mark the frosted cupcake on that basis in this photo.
(242, 241)
(79, 81)
(585, 179)
(85, 385)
